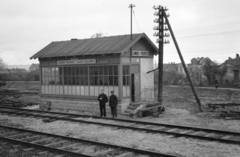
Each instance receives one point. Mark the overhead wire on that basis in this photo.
(136, 21)
(216, 33)
(200, 35)
(206, 19)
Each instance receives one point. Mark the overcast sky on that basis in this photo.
(203, 28)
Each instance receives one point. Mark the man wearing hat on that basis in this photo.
(113, 102)
(102, 98)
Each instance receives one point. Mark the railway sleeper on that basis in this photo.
(173, 130)
(68, 146)
(210, 135)
(41, 140)
(18, 135)
(125, 154)
(82, 149)
(44, 152)
(227, 137)
(197, 133)
(105, 152)
(56, 143)
(28, 149)
(48, 120)
(29, 138)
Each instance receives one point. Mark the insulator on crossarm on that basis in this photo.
(157, 7)
(166, 42)
(168, 15)
(155, 34)
(165, 28)
(156, 14)
(166, 35)
(157, 20)
(166, 9)
(157, 27)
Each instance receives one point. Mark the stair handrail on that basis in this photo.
(147, 88)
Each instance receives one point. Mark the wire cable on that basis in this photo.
(209, 34)
(136, 20)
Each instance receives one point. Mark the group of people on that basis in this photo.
(113, 102)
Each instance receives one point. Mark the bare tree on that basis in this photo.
(222, 72)
(98, 35)
(212, 70)
(2, 64)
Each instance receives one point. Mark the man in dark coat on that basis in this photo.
(102, 98)
(113, 102)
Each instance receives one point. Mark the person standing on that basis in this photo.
(102, 98)
(113, 102)
(216, 83)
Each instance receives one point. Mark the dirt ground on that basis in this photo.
(181, 109)
(160, 143)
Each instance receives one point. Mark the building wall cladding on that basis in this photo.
(87, 106)
(147, 86)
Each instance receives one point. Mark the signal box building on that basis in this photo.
(73, 72)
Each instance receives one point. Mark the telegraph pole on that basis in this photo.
(131, 6)
(160, 34)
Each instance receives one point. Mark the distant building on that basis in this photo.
(34, 67)
(177, 67)
(18, 67)
(200, 61)
(3, 74)
(17, 71)
(195, 69)
(13, 74)
(4, 71)
(233, 68)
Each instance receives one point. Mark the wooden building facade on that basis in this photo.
(74, 72)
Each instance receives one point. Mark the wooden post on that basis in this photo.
(183, 63)
(160, 54)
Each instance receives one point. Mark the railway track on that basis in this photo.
(68, 146)
(168, 129)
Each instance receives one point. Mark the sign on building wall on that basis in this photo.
(140, 53)
(81, 61)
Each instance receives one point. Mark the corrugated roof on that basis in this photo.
(92, 46)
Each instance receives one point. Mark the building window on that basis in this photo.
(80, 80)
(51, 76)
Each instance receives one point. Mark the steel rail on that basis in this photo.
(128, 121)
(177, 134)
(43, 147)
(157, 154)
